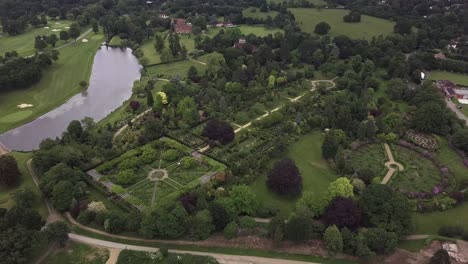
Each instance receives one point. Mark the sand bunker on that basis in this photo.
(55, 30)
(84, 40)
(46, 27)
(67, 27)
(24, 106)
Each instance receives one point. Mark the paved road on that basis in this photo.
(454, 108)
(221, 258)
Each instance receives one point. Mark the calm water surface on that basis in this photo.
(114, 71)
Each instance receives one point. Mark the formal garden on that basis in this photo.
(160, 170)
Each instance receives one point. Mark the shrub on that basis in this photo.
(285, 178)
(170, 155)
(451, 231)
(118, 189)
(230, 231)
(247, 222)
(333, 240)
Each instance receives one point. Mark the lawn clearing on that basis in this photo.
(178, 68)
(254, 12)
(458, 78)
(26, 181)
(369, 26)
(451, 159)
(315, 2)
(76, 253)
(154, 57)
(259, 31)
(412, 245)
(429, 223)
(24, 43)
(316, 174)
(59, 82)
(116, 41)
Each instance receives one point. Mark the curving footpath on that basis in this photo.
(221, 258)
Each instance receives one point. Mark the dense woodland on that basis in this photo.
(239, 84)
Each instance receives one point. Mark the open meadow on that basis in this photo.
(316, 175)
(369, 27)
(24, 43)
(59, 82)
(254, 12)
(259, 31)
(154, 57)
(458, 78)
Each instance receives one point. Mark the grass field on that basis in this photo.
(450, 158)
(155, 57)
(314, 169)
(59, 82)
(458, 78)
(430, 223)
(369, 27)
(26, 181)
(254, 12)
(76, 253)
(116, 41)
(259, 31)
(315, 2)
(179, 68)
(24, 43)
(412, 245)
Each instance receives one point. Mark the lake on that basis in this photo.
(114, 71)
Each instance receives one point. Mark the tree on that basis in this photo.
(384, 208)
(134, 105)
(216, 129)
(316, 203)
(285, 178)
(94, 24)
(158, 43)
(322, 28)
(333, 240)
(202, 225)
(192, 74)
(277, 229)
(40, 43)
(64, 35)
(62, 195)
(402, 26)
(334, 139)
(74, 31)
(301, 226)
(174, 44)
(9, 172)
(187, 110)
(149, 98)
(52, 40)
(241, 200)
(381, 241)
(441, 256)
(53, 13)
(396, 89)
(24, 198)
(460, 139)
(230, 231)
(431, 117)
(216, 65)
(340, 187)
(220, 216)
(57, 232)
(343, 212)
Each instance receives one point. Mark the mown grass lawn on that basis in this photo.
(450, 158)
(259, 31)
(254, 12)
(316, 174)
(315, 2)
(154, 57)
(26, 181)
(369, 26)
(429, 223)
(458, 78)
(24, 43)
(59, 82)
(179, 68)
(76, 253)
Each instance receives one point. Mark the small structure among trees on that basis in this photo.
(285, 178)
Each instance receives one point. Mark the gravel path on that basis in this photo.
(391, 161)
(221, 258)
